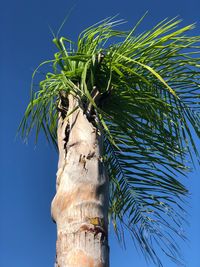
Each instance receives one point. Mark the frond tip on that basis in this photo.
(145, 90)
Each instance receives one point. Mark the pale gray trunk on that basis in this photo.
(80, 206)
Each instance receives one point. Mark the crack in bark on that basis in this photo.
(82, 159)
(63, 103)
(67, 132)
(91, 155)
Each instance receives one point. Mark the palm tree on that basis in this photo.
(123, 110)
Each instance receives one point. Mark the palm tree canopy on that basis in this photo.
(143, 90)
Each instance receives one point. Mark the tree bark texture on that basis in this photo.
(80, 206)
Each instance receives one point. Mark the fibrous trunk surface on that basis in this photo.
(80, 206)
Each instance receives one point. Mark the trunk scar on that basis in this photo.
(82, 160)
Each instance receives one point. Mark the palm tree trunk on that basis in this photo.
(80, 206)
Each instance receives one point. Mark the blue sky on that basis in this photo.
(27, 182)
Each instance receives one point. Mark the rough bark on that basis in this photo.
(80, 206)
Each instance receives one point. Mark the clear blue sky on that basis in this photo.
(27, 180)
